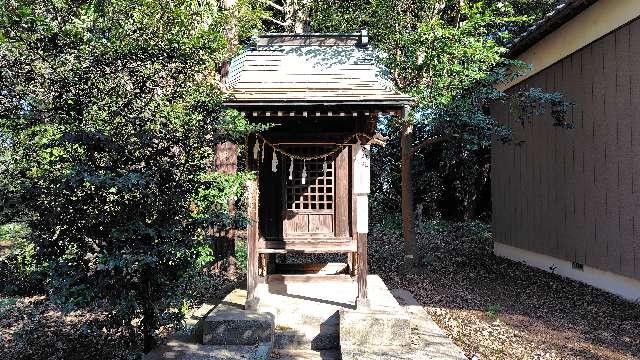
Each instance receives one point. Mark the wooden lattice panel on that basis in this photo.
(317, 193)
(309, 206)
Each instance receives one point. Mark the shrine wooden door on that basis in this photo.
(309, 193)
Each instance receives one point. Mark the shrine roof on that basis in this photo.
(311, 69)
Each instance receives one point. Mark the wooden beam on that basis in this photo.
(309, 246)
(351, 263)
(295, 111)
(359, 192)
(308, 278)
(312, 268)
(428, 141)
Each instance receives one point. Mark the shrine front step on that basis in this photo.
(323, 315)
(297, 354)
(368, 327)
(308, 335)
(230, 324)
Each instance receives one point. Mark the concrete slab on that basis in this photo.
(305, 354)
(428, 341)
(425, 332)
(382, 323)
(306, 313)
(317, 315)
(366, 328)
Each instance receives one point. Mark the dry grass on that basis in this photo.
(499, 309)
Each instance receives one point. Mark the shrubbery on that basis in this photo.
(21, 273)
(110, 113)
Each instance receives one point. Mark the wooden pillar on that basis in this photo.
(252, 245)
(363, 271)
(408, 223)
(361, 189)
(352, 262)
(252, 232)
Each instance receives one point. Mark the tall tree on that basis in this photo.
(109, 112)
(447, 54)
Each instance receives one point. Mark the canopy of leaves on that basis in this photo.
(449, 55)
(109, 116)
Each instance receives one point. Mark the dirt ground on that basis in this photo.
(495, 308)
(33, 328)
(491, 307)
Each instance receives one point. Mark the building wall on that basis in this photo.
(591, 24)
(575, 194)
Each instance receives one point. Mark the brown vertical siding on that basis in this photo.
(634, 130)
(575, 194)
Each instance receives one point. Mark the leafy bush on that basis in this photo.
(6, 303)
(241, 254)
(21, 273)
(111, 112)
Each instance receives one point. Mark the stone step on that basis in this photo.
(308, 337)
(177, 349)
(296, 316)
(230, 324)
(289, 354)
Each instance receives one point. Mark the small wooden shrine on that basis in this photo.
(324, 93)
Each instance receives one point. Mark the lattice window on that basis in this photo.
(318, 191)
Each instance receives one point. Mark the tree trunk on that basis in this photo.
(408, 222)
(224, 239)
(149, 316)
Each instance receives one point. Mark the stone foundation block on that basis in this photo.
(230, 324)
(366, 327)
(237, 327)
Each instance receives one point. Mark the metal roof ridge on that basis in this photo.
(309, 34)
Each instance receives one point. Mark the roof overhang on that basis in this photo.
(314, 39)
(310, 71)
(562, 14)
(355, 104)
(569, 29)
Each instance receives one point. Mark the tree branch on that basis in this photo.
(278, 22)
(274, 5)
(428, 141)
